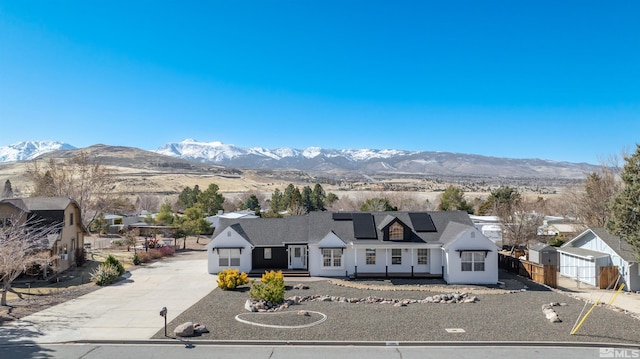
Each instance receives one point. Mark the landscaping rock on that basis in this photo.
(300, 286)
(304, 313)
(199, 328)
(184, 330)
(248, 305)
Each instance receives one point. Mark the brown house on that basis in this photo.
(61, 211)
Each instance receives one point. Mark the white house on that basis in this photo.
(582, 257)
(390, 244)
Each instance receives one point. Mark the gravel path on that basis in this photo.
(499, 315)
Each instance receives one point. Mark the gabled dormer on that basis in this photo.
(394, 230)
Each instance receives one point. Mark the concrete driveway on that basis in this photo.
(627, 301)
(127, 310)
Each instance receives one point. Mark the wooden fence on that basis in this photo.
(540, 273)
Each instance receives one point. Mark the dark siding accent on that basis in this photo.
(278, 259)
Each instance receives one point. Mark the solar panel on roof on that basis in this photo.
(422, 222)
(363, 226)
(342, 216)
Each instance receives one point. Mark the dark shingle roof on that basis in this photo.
(311, 228)
(619, 245)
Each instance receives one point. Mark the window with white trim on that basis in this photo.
(396, 256)
(331, 257)
(267, 253)
(472, 261)
(396, 232)
(370, 256)
(423, 256)
(229, 257)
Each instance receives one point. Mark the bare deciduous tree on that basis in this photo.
(22, 245)
(147, 203)
(87, 182)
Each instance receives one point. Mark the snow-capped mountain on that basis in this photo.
(371, 161)
(219, 153)
(342, 163)
(28, 150)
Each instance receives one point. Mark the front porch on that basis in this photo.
(258, 272)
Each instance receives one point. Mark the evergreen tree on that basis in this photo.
(288, 196)
(209, 200)
(252, 203)
(318, 197)
(277, 202)
(188, 197)
(624, 207)
(453, 199)
(307, 201)
(165, 215)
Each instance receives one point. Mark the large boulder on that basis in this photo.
(184, 330)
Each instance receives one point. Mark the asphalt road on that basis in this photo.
(139, 351)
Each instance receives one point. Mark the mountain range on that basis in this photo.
(337, 162)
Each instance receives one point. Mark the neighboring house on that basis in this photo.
(215, 220)
(60, 211)
(583, 257)
(490, 227)
(559, 227)
(383, 244)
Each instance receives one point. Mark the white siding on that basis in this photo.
(229, 238)
(577, 268)
(453, 270)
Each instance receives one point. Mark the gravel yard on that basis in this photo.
(499, 315)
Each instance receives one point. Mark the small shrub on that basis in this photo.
(80, 256)
(116, 263)
(144, 257)
(155, 253)
(167, 251)
(104, 274)
(271, 287)
(272, 276)
(136, 259)
(231, 279)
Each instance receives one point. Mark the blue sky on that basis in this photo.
(525, 79)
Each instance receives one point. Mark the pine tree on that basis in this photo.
(318, 197)
(307, 202)
(209, 200)
(624, 208)
(453, 199)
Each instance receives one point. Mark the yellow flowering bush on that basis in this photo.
(231, 279)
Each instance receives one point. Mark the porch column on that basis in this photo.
(355, 261)
(412, 254)
(386, 262)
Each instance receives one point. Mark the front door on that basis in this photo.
(297, 257)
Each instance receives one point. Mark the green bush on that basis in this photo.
(137, 260)
(231, 279)
(116, 263)
(105, 274)
(271, 288)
